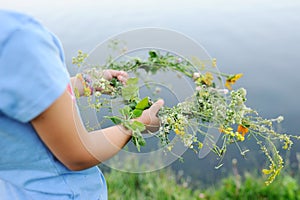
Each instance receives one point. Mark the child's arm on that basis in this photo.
(61, 129)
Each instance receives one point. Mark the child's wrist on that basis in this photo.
(87, 84)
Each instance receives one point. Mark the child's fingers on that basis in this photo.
(157, 106)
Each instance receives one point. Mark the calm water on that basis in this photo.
(259, 38)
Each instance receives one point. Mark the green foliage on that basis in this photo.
(138, 126)
(115, 119)
(165, 185)
(125, 112)
(143, 104)
(284, 187)
(133, 109)
(137, 112)
(130, 91)
(160, 185)
(140, 107)
(115, 83)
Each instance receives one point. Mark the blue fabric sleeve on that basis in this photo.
(32, 72)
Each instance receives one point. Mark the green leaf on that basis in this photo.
(137, 126)
(114, 82)
(132, 81)
(136, 113)
(138, 139)
(131, 89)
(143, 104)
(132, 105)
(136, 143)
(152, 54)
(129, 92)
(125, 111)
(141, 140)
(115, 119)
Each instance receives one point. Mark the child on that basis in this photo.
(46, 153)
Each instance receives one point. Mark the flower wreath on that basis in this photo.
(209, 106)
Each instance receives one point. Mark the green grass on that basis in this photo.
(284, 187)
(167, 185)
(160, 185)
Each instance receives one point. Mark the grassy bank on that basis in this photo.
(166, 185)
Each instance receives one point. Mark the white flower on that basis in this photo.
(279, 119)
(196, 75)
(187, 140)
(179, 60)
(223, 91)
(97, 94)
(243, 91)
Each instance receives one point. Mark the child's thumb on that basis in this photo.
(157, 106)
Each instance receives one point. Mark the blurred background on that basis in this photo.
(259, 38)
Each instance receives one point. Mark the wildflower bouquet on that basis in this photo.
(209, 106)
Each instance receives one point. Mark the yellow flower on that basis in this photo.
(270, 170)
(200, 145)
(214, 62)
(227, 131)
(169, 147)
(231, 80)
(207, 79)
(239, 136)
(286, 145)
(179, 132)
(267, 171)
(87, 91)
(169, 119)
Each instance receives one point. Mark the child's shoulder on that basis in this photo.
(12, 21)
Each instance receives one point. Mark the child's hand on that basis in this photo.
(109, 75)
(120, 75)
(149, 117)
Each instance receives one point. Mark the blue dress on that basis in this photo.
(32, 76)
